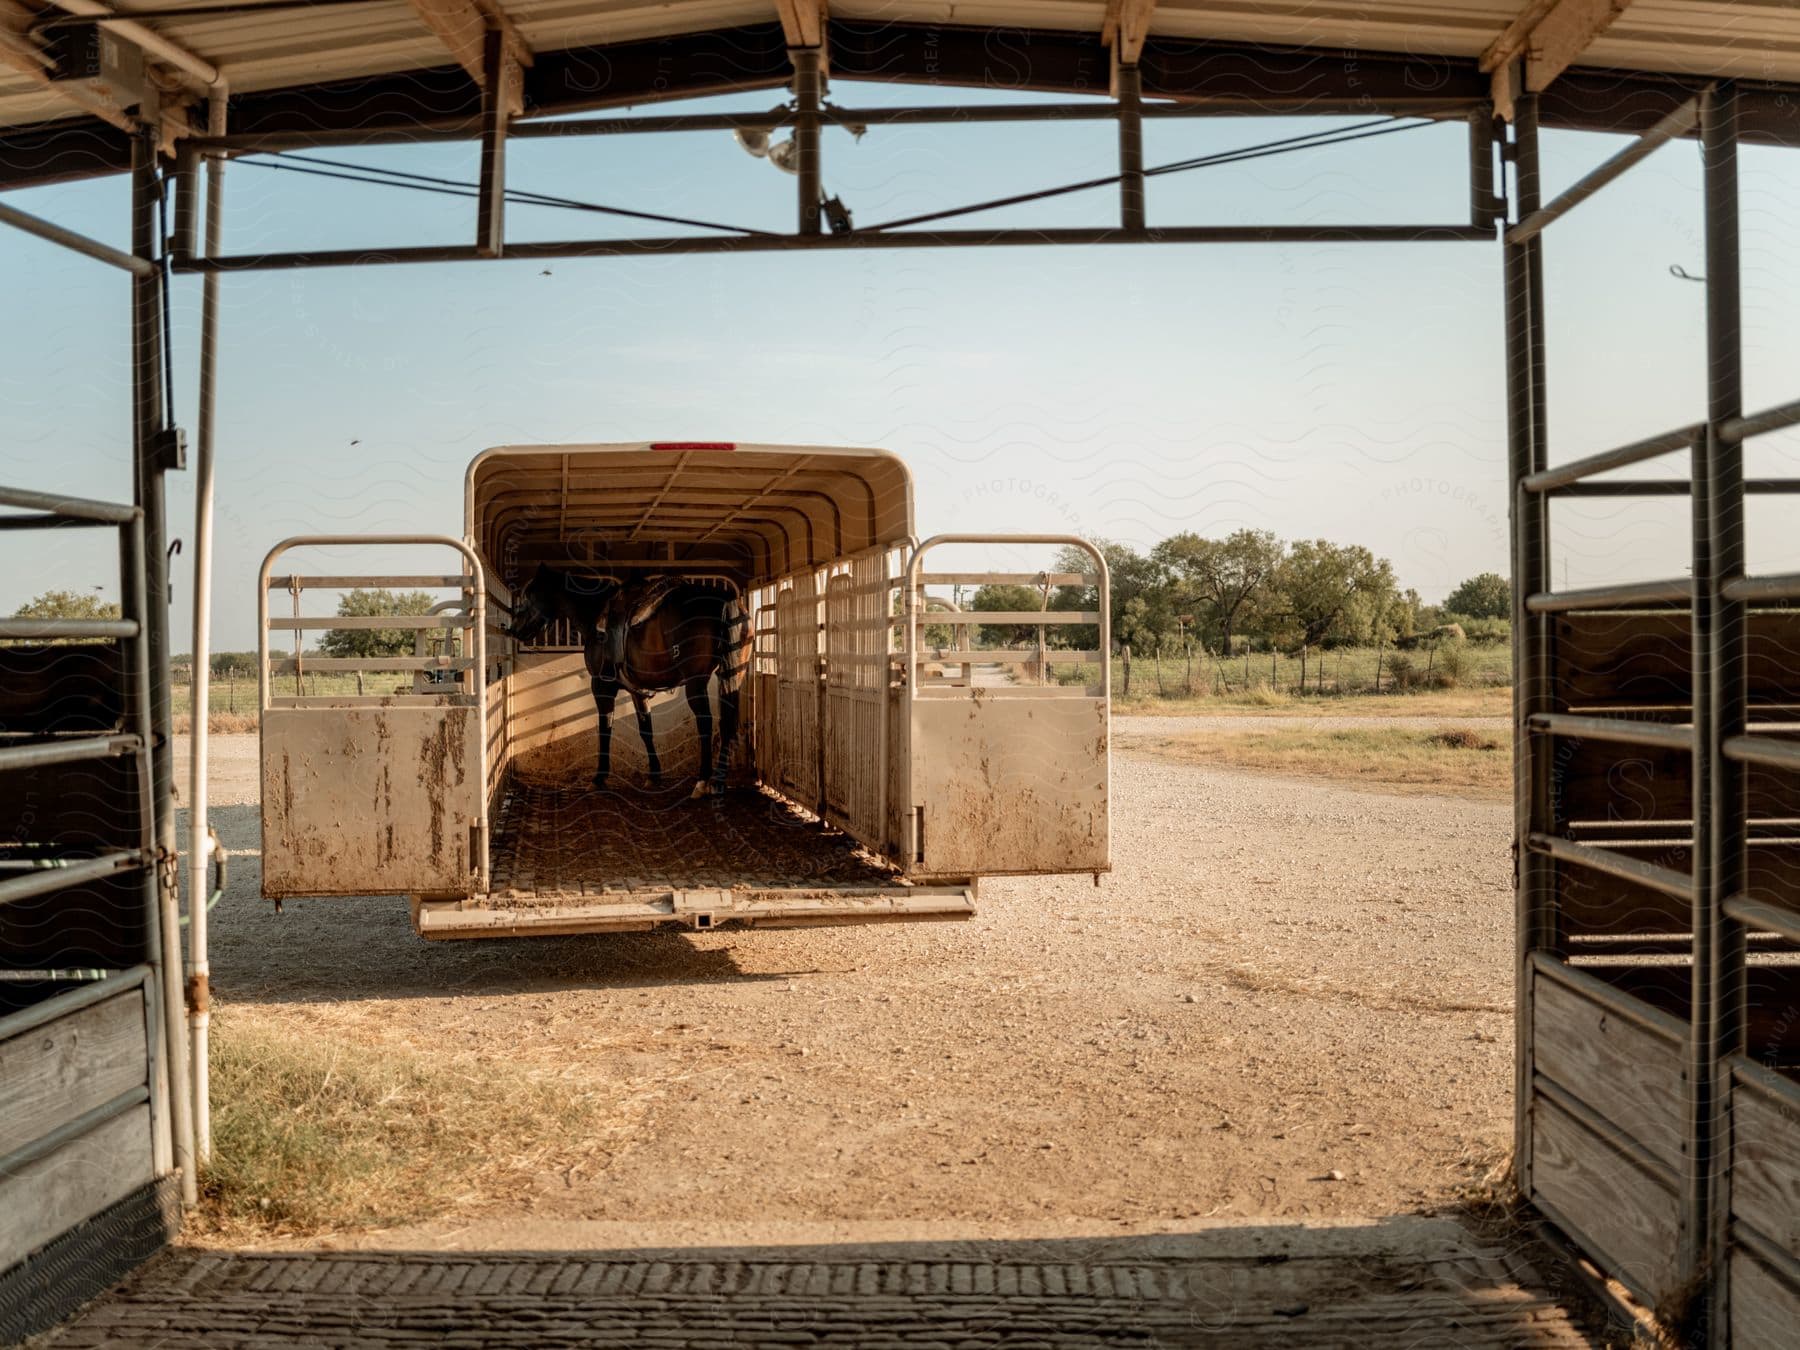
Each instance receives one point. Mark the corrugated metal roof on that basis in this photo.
(289, 48)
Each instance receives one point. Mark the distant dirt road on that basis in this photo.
(1287, 1001)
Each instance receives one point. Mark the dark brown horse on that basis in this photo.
(646, 637)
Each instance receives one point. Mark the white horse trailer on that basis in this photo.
(876, 775)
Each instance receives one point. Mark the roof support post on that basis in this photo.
(1484, 206)
(809, 93)
(1534, 874)
(149, 465)
(499, 90)
(1719, 796)
(1131, 147)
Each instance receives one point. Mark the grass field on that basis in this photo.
(316, 1132)
(1461, 760)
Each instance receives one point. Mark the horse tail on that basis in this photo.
(734, 660)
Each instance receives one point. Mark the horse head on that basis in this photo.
(539, 604)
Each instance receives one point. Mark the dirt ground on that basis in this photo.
(1289, 1001)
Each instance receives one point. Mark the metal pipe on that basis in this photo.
(1616, 730)
(137, 677)
(809, 93)
(39, 629)
(554, 127)
(1673, 487)
(873, 239)
(148, 422)
(1762, 588)
(1664, 443)
(1131, 149)
(75, 508)
(46, 880)
(1631, 595)
(46, 1144)
(1764, 917)
(1531, 799)
(56, 234)
(1764, 750)
(64, 1005)
(1677, 123)
(67, 752)
(200, 837)
(1720, 862)
(1621, 865)
(1756, 424)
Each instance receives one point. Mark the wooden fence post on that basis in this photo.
(1125, 656)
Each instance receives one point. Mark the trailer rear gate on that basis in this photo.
(875, 780)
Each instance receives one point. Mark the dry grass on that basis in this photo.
(322, 1132)
(1453, 759)
(1494, 701)
(220, 724)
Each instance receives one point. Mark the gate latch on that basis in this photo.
(168, 449)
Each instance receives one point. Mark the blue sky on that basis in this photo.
(1351, 392)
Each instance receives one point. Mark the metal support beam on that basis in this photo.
(1484, 207)
(499, 91)
(669, 246)
(148, 414)
(1131, 148)
(1677, 123)
(809, 93)
(1534, 876)
(80, 243)
(1721, 643)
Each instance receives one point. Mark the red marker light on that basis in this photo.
(693, 445)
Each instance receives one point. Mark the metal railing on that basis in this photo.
(56, 870)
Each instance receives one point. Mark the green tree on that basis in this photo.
(67, 605)
(226, 665)
(371, 642)
(1225, 577)
(1010, 598)
(1487, 596)
(1333, 591)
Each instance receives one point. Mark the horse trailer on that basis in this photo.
(877, 776)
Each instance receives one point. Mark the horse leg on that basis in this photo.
(642, 705)
(701, 706)
(606, 693)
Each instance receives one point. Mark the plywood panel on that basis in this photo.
(1627, 1219)
(370, 801)
(1631, 1076)
(1011, 785)
(1765, 1309)
(55, 1073)
(1617, 659)
(1765, 1167)
(44, 1198)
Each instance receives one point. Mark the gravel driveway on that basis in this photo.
(1281, 984)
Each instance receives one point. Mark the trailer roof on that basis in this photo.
(754, 511)
(386, 65)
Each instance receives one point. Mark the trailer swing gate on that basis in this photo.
(1658, 829)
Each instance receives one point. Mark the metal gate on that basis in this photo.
(367, 792)
(859, 661)
(796, 770)
(1007, 775)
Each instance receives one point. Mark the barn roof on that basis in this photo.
(385, 65)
